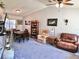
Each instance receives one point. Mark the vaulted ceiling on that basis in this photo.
(27, 7)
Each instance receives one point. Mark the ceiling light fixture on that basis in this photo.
(18, 10)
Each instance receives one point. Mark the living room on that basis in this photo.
(41, 12)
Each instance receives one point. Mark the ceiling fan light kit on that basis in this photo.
(60, 3)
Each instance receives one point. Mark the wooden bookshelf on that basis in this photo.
(34, 29)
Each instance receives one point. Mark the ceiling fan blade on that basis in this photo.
(66, 0)
(68, 3)
(49, 0)
(50, 4)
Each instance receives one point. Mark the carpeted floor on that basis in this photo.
(34, 50)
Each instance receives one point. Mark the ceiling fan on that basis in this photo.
(59, 2)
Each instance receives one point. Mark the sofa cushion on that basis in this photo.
(66, 45)
(69, 40)
(68, 37)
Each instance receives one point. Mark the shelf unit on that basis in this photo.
(34, 29)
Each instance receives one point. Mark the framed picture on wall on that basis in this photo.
(27, 22)
(52, 22)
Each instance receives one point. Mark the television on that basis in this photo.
(52, 22)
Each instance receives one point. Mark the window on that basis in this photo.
(10, 24)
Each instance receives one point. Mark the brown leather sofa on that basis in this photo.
(67, 42)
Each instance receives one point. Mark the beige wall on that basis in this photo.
(72, 14)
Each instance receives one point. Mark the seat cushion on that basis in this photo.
(69, 40)
(66, 45)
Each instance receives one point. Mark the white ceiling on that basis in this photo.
(27, 6)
